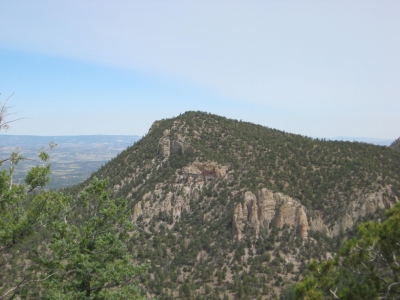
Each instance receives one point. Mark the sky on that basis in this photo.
(316, 68)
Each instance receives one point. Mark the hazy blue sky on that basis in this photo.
(317, 68)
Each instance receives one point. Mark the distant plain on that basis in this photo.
(72, 161)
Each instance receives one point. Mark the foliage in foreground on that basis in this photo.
(365, 268)
(88, 257)
(79, 245)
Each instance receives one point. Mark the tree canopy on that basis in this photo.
(82, 252)
(87, 256)
(367, 267)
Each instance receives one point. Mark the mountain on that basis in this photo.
(74, 158)
(229, 209)
(396, 144)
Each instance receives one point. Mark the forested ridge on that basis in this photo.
(184, 225)
(321, 174)
(324, 176)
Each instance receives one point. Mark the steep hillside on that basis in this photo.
(228, 209)
(396, 144)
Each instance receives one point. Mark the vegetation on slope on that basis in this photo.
(195, 256)
(54, 246)
(366, 268)
(396, 144)
(323, 175)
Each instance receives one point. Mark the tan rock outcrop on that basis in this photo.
(179, 207)
(316, 222)
(374, 201)
(266, 207)
(267, 210)
(286, 215)
(172, 203)
(165, 145)
(252, 208)
(364, 205)
(208, 169)
(238, 222)
(168, 145)
(301, 223)
(291, 212)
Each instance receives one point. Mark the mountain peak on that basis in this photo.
(219, 203)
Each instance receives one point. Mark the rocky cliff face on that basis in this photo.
(269, 209)
(177, 143)
(209, 169)
(151, 206)
(266, 210)
(366, 204)
(262, 210)
(190, 182)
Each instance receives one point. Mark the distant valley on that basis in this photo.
(74, 158)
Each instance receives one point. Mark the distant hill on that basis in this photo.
(375, 141)
(74, 158)
(396, 144)
(225, 208)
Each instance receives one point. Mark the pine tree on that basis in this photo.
(365, 268)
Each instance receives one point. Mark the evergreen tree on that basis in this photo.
(365, 268)
(22, 213)
(87, 255)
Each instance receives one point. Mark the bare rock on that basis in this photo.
(316, 223)
(177, 144)
(165, 146)
(266, 207)
(250, 201)
(267, 210)
(286, 215)
(301, 223)
(239, 222)
(207, 169)
(364, 205)
(245, 216)
(180, 205)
